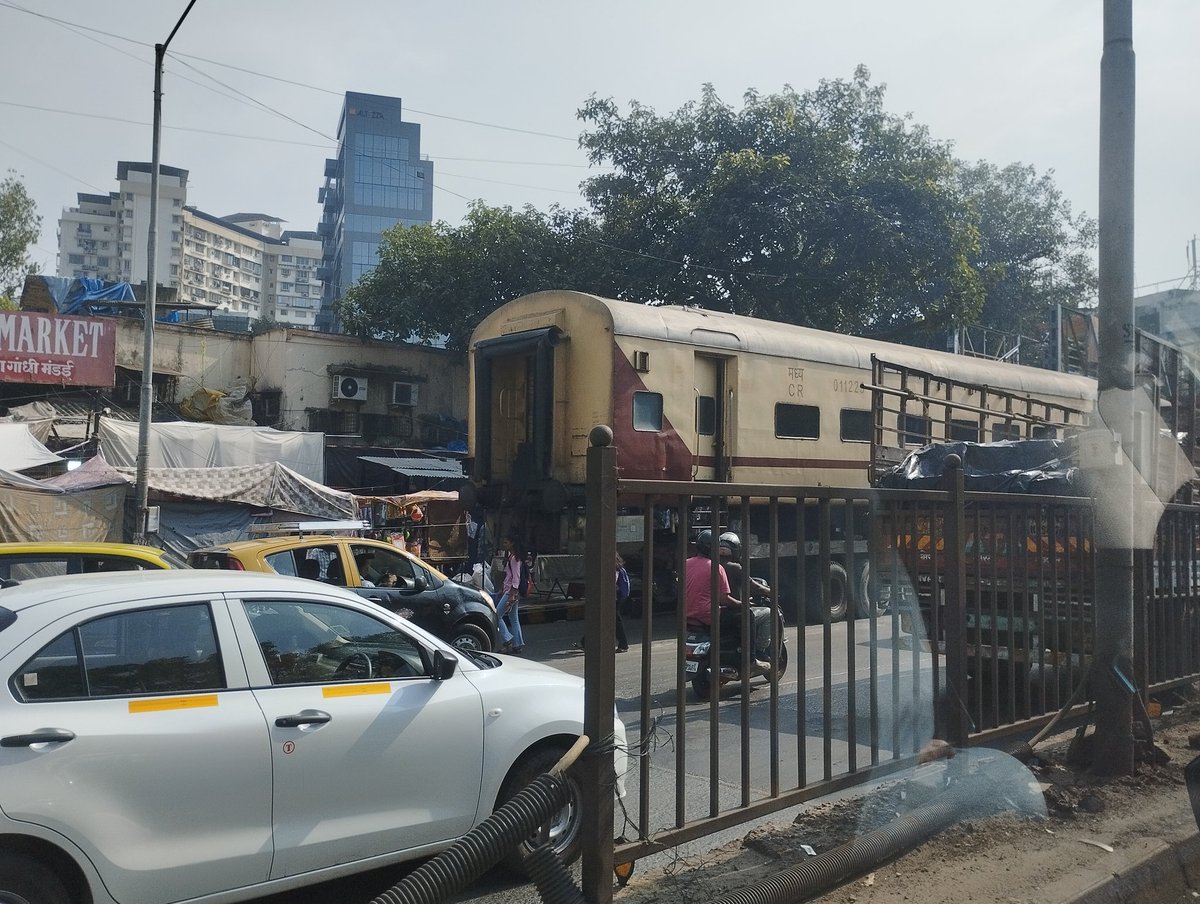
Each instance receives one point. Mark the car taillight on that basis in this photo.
(234, 565)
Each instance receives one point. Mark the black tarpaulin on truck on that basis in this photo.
(1037, 466)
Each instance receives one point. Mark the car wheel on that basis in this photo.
(562, 833)
(701, 685)
(24, 880)
(471, 638)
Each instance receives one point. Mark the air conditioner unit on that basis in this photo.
(353, 388)
(404, 394)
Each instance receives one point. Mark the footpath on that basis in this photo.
(1130, 840)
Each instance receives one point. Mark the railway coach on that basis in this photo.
(698, 395)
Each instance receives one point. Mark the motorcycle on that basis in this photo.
(698, 649)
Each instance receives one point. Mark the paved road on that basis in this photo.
(801, 716)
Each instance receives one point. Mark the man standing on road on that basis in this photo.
(698, 586)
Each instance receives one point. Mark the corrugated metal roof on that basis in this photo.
(420, 467)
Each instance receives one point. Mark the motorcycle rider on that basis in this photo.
(698, 586)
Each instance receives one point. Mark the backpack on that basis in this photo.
(525, 586)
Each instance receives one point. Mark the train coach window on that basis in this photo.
(915, 431)
(1045, 431)
(797, 421)
(1001, 432)
(856, 425)
(964, 431)
(706, 415)
(647, 411)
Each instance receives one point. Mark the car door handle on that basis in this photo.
(308, 717)
(376, 599)
(45, 736)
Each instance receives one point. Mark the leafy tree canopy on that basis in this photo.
(817, 208)
(19, 228)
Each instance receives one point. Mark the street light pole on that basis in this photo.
(141, 490)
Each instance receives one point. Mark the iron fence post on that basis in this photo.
(599, 669)
(956, 724)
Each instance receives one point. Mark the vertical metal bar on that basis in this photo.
(1054, 613)
(647, 649)
(749, 644)
(995, 609)
(1069, 594)
(1031, 543)
(599, 669)
(801, 647)
(928, 630)
(714, 661)
(777, 641)
(826, 639)
(900, 520)
(683, 526)
(872, 590)
(1044, 543)
(852, 593)
(956, 665)
(1016, 547)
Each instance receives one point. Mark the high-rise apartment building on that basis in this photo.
(377, 180)
(105, 235)
(243, 264)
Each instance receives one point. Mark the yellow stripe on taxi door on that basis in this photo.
(196, 701)
(356, 690)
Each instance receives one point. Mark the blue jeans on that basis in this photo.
(508, 620)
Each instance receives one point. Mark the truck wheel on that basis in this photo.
(864, 605)
(839, 595)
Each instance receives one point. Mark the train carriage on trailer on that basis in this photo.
(699, 395)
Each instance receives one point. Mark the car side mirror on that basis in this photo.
(419, 582)
(1191, 774)
(443, 666)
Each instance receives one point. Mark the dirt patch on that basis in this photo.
(1091, 829)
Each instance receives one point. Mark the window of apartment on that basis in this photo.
(102, 262)
(647, 411)
(176, 218)
(174, 269)
(856, 425)
(75, 259)
(286, 287)
(285, 259)
(797, 421)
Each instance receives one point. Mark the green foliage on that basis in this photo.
(818, 208)
(19, 228)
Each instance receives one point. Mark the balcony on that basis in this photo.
(332, 165)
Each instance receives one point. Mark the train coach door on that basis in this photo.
(711, 426)
(510, 404)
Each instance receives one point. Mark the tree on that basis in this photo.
(19, 228)
(439, 280)
(1034, 252)
(818, 208)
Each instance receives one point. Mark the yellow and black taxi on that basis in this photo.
(379, 571)
(22, 561)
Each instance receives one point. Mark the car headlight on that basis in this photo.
(487, 598)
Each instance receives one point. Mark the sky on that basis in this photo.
(496, 87)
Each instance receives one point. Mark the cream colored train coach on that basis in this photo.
(700, 395)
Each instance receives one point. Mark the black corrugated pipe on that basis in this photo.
(855, 858)
(481, 848)
(553, 880)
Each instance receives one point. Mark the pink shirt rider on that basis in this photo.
(698, 586)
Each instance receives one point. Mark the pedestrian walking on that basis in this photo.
(508, 617)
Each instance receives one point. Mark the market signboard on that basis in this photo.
(67, 351)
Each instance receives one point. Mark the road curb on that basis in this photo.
(540, 612)
(1168, 871)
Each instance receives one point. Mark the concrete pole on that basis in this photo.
(141, 484)
(1113, 654)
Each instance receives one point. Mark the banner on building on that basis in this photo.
(67, 351)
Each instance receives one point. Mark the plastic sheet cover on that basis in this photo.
(1037, 466)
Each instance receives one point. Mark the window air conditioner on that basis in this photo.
(404, 394)
(352, 388)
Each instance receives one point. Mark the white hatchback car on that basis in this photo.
(204, 734)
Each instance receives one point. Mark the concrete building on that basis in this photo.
(377, 180)
(244, 265)
(105, 236)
